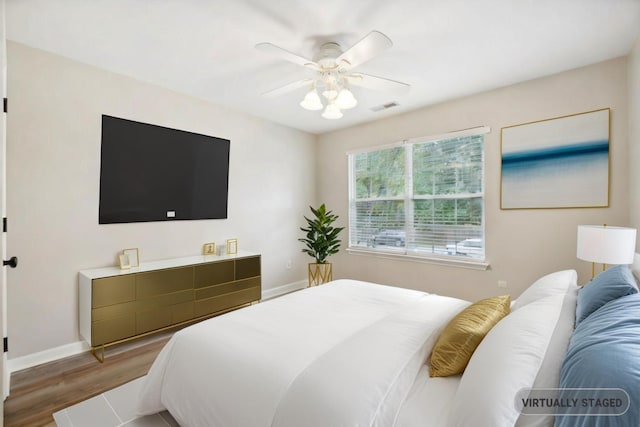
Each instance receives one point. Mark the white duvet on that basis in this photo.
(341, 354)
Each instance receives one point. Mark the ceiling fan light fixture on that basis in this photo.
(330, 94)
(345, 99)
(311, 101)
(334, 74)
(332, 112)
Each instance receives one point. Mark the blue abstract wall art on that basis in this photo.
(556, 163)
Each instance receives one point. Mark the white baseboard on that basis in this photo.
(35, 359)
(284, 289)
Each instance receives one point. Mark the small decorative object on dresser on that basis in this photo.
(232, 246)
(321, 241)
(209, 248)
(134, 257)
(124, 261)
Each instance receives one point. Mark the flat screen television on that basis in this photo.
(154, 173)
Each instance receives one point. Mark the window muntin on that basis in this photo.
(421, 198)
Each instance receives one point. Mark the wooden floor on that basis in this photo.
(38, 392)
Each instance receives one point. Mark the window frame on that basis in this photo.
(404, 253)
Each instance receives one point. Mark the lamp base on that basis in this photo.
(593, 269)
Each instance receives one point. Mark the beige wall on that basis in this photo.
(521, 245)
(634, 138)
(53, 181)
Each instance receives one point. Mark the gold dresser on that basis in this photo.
(119, 305)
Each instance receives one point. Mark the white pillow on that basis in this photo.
(549, 373)
(551, 284)
(507, 360)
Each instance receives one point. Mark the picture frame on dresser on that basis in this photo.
(209, 248)
(124, 261)
(133, 255)
(232, 246)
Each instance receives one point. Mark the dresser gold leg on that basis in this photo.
(95, 353)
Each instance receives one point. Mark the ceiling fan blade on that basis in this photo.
(286, 55)
(288, 88)
(371, 45)
(378, 83)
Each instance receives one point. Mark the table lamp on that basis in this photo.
(606, 245)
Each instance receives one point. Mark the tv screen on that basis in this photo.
(153, 173)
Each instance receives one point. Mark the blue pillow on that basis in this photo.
(614, 283)
(603, 355)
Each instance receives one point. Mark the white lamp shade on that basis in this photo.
(332, 112)
(346, 100)
(606, 245)
(311, 101)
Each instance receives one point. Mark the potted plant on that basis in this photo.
(321, 241)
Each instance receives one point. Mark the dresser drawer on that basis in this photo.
(226, 288)
(223, 302)
(213, 274)
(113, 290)
(247, 267)
(161, 282)
(111, 330)
(162, 317)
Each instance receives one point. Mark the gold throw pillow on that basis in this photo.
(463, 334)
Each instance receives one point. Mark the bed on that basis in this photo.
(352, 353)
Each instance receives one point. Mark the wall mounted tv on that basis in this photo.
(153, 173)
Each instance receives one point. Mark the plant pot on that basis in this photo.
(319, 273)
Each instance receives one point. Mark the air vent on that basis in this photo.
(384, 106)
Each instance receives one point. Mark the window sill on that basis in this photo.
(449, 261)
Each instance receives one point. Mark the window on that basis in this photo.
(422, 197)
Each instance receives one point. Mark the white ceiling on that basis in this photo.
(444, 48)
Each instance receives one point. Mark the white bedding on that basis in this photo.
(428, 401)
(342, 354)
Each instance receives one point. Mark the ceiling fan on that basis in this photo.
(335, 74)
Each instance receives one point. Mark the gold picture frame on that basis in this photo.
(232, 246)
(124, 261)
(134, 256)
(209, 248)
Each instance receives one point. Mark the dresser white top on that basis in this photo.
(96, 273)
